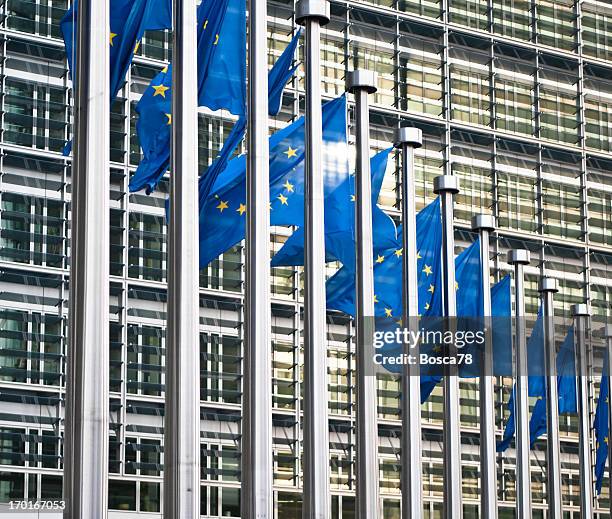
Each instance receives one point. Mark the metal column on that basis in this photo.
(548, 288)
(257, 464)
(581, 315)
(447, 186)
(485, 224)
(608, 337)
(362, 83)
(519, 258)
(408, 139)
(182, 419)
(86, 412)
(312, 14)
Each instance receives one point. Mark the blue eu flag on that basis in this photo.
(468, 288)
(223, 212)
(566, 388)
(154, 107)
(129, 19)
(221, 84)
(388, 273)
(601, 426)
(501, 308)
(535, 352)
(278, 77)
(470, 311)
(340, 222)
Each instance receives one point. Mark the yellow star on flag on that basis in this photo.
(205, 23)
(291, 152)
(165, 69)
(427, 270)
(216, 39)
(136, 47)
(160, 90)
(399, 252)
(222, 206)
(241, 209)
(283, 199)
(112, 37)
(388, 312)
(169, 116)
(456, 286)
(353, 198)
(375, 298)
(427, 306)
(380, 259)
(288, 186)
(419, 255)
(431, 289)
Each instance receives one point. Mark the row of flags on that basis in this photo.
(221, 79)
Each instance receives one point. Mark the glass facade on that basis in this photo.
(513, 96)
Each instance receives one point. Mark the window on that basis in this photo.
(420, 76)
(121, 495)
(597, 30)
(149, 496)
(470, 87)
(471, 13)
(556, 23)
(34, 17)
(147, 247)
(35, 115)
(144, 360)
(512, 18)
(12, 486)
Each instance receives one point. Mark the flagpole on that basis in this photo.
(86, 412)
(312, 14)
(548, 288)
(361, 83)
(519, 258)
(447, 186)
(581, 315)
(486, 224)
(407, 140)
(608, 337)
(182, 412)
(257, 463)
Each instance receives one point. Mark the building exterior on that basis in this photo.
(513, 96)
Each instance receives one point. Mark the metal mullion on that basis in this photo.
(447, 93)
(44, 224)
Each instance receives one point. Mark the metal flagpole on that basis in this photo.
(182, 418)
(485, 224)
(407, 140)
(447, 186)
(548, 288)
(362, 83)
(312, 14)
(608, 337)
(519, 258)
(256, 465)
(581, 315)
(86, 412)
